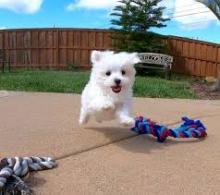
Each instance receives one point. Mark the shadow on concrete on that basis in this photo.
(35, 181)
(111, 132)
(139, 143)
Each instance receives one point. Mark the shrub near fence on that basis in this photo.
(60, 47)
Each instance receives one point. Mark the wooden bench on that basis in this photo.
(156, 61)
(4, 61)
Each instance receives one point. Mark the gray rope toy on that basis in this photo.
(12, 170)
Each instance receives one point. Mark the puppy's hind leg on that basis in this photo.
(84, 117)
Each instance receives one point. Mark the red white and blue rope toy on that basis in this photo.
(188, 129)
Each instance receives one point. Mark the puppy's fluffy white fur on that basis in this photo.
(108, 94)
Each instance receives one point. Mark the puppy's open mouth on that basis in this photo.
(116, 88)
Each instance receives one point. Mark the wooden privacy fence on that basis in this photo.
(55, 48)
(194, 57)
(58, 48)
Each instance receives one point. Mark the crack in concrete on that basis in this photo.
(95, 147)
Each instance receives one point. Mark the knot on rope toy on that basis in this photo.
(188, 129)
(13, 169)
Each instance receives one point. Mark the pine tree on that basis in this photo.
(133, 20)
(122, 13)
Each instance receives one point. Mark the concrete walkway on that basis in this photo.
(105, 158)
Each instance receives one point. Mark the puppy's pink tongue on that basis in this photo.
(116, 89)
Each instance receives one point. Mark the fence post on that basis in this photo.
(58, 49)
(3, 50)
(217, 63)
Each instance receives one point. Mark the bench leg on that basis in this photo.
(168, 74)
(9, 64)
(3, 67)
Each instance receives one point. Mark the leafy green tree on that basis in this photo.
(132, 20)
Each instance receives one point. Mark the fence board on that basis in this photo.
(192, 50)
(204, 50)
(218, 55)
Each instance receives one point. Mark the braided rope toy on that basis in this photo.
(188, 129)
(13, 169)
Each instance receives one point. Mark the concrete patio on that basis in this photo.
(105, 158)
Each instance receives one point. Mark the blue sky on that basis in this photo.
(189, 18)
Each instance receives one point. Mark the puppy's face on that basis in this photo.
(114, 71)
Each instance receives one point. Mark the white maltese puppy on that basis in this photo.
(108, 94)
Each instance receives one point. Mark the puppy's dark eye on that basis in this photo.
(123, 72)
(108, 73)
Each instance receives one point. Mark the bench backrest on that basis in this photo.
(156, 58)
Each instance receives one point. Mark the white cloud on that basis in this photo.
(21, 6)
(180, 11)
(92, 4)
(189, 13)
(3, 27)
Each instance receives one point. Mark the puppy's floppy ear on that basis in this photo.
(96, 56)
(133, 58)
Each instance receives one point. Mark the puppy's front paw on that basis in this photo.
(82, 121)
(84, 117)
(127, 122)
(107, 106)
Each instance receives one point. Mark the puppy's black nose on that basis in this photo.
(118, 81)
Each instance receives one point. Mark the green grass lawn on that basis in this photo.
(73, 82)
